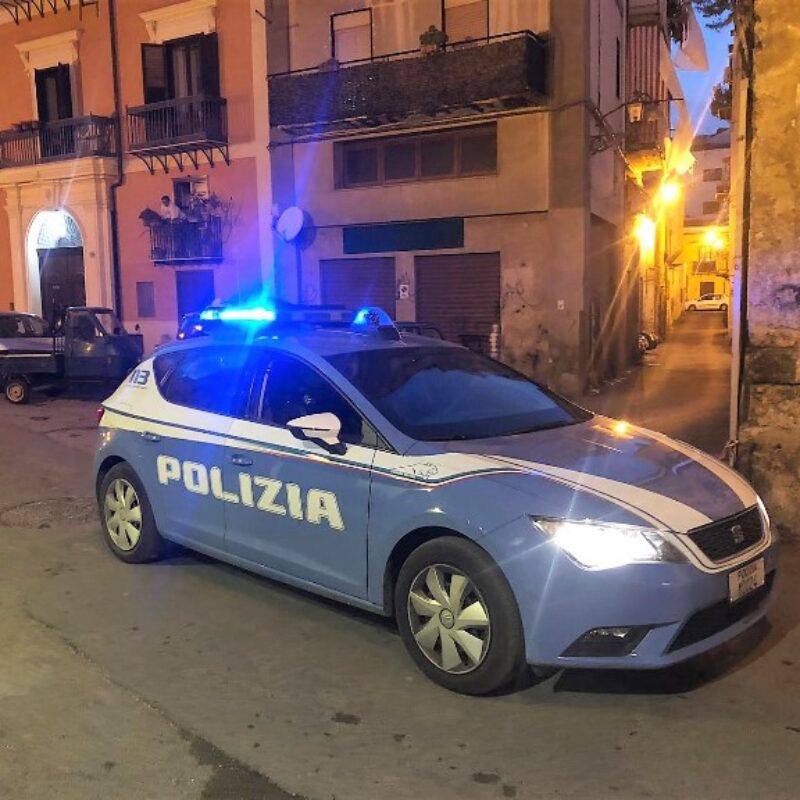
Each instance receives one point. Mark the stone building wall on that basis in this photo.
(769, 436)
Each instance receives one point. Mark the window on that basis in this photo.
(712, 175)
(53, 93)
(145, 299)
(212, 379)
(437, 157)
(11, 327)
(291, 389)
(706, 288)
(443, 394)
(181, 68)
(711, 207)
(618, 78)
(465, 20)
(351, 35)
(361, 165)
(461, 152)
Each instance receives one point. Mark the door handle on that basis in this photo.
(150, 437)
(241, 461)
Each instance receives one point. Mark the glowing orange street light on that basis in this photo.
(712, 238)
(644, 229)
(669, 192)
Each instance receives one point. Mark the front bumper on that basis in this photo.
(685, 610)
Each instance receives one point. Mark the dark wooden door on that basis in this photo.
(62, 281)
(195, 289)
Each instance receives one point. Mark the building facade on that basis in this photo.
(472, 179)
(458, 187)
(108, 107)
(705, 232)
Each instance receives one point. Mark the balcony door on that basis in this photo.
(180, 75)
(54, 103)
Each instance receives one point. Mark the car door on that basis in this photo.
(303, 510)
(184, 451)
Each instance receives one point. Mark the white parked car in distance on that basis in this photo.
(708, 302)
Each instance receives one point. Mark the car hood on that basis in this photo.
(669, 484)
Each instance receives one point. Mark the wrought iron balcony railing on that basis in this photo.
(508, 71)
(181, 241)
(648, 134)
(40, 142)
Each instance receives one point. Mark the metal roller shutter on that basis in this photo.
(358, 282)
(460, 295)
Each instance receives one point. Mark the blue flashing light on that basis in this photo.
(372, 317)
(256, 314)
(247, 315)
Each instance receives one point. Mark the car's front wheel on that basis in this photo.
(692, 308)
(458, 617)
(129, 527)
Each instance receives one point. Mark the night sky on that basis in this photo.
(698, 86)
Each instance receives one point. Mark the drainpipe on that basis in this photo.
(120, 181)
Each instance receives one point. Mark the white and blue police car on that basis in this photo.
(500, 524)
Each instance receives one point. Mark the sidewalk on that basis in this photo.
(682, 388)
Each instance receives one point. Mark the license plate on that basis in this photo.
(746, 580)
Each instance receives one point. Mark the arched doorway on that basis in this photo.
(55, 263)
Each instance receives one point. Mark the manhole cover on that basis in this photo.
(50, 513)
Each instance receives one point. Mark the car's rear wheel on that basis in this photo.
(129, 527)
(18, 391)
(458, 617)
(723, 307)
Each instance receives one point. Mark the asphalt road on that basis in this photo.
(191, 679)
(682, 388)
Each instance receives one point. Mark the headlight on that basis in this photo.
(603, 545)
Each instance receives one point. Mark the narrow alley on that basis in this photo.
(682, 388)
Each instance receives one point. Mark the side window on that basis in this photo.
(291, 389)
(83, 328)
(216, 380)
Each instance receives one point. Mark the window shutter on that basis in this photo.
(64, 92)
(154, 72)
(209, 58)
(41, 96)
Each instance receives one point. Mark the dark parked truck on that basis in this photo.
(90, 347)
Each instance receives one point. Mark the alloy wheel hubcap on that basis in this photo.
(123, 514)
(15, 392)
(449, 619)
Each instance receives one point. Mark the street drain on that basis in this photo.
(51, 513)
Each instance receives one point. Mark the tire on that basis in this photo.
(135, 539)
(723, 307)
(18, 391)
(496, 639)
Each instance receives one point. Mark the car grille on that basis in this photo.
(722, 540)
(714, 619)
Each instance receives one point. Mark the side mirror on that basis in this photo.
(323, 428)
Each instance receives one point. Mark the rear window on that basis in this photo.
(216, 379)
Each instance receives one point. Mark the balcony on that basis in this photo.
(173, 131)
(42, 142)
(502, 72)
(184, 242)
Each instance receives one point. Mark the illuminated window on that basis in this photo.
(465, 20)
(352, 35)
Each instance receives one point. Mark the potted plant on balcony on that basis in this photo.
(432, 40)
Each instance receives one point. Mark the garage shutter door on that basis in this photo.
(358, 282)
(460, 294)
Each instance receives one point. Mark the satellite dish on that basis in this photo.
(290, 223)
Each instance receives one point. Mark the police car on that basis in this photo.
(501, 525)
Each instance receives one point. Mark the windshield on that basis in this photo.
(109, 322)
(445, 394)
